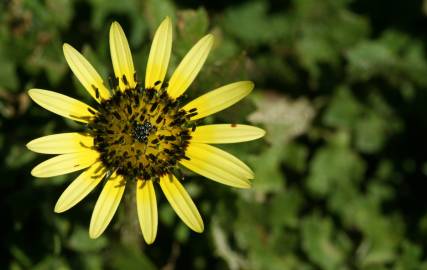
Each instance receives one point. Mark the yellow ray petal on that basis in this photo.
(226, 133)
(147, 209)
(106, 205)
(217, 165)
(121, 57)
(86, 74)
(190, 66)
(61, 143)
(65, 163)
(60, 104)
(158, 58)
(219, 99)
(80, 187)
(181, 202)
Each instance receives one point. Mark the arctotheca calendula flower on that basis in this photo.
(139, 133)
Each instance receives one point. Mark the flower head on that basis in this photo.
(139, 134)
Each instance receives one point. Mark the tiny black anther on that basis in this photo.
(185, 137)
(96, 90)
(117, 115)
(180, 113)
(125, 80)
(170, 138)
(157, 83)
(153, 107)
(152, 157)
(159, 119)
(91, 111)
(192, 114)
(136, 100)
(150, 93)
(192, 110)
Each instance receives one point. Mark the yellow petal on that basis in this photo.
(190, 66)
(217, 165)
(60, 104)
(147, 209)
(181, 202)
(86, 74)
(80, 187)
(121, 57)
(226, 133)
(62, 143)
(106, 205)
(219, 99)
(65, 163)
(160, 52)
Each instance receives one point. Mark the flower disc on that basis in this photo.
(141, 133)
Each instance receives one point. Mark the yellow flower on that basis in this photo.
(140, 134)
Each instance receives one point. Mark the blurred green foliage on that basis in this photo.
(340, 177)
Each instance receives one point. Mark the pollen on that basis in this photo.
(141, 133)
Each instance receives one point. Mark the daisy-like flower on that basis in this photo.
(139, 134)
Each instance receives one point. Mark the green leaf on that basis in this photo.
(130, 258)
(343, 110)
(321, 243)
(248, 22)
(266, 165)
(80, 241)
(332, 167)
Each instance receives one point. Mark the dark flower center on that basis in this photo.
(141, 133)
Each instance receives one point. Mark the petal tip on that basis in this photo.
(29, 145)
(248, 185)
(262, 133)
(67, 49)
(93, 235)
(250, 85)
(35, 173)
(167, 20)
(115, 26)
(199, 229)
(59, 209)
(210, 38)
(32, 92)
(66, 46)
(36, 93)
(150, 240)
(94, 232)
(245, 183)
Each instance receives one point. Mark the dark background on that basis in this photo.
(341, 88)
